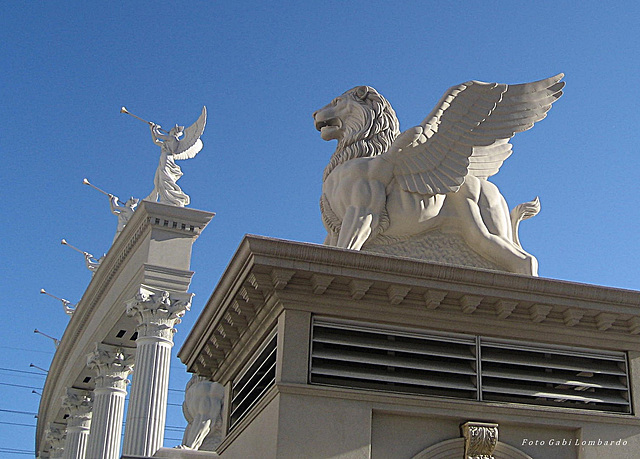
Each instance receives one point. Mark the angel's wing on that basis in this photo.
(190, 145)
(468, 133)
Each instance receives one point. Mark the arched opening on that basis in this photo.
(454, 449)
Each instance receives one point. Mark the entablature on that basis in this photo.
(269, 275)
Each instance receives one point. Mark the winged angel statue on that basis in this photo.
(174, 148)
(381, 184)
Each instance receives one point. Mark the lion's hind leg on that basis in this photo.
(495, 248)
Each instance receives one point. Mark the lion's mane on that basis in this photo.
(368, 135)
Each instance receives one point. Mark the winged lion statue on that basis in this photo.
(381, 183)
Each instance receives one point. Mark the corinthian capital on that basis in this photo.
(56, 435)
(78, 404)
(158, 311)
(112, 365)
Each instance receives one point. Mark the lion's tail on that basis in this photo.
(522, 212)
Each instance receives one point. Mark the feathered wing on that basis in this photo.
(468, 132)
(190, 145)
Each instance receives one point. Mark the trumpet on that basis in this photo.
(124, 110)
(64, 242)
(87, 182)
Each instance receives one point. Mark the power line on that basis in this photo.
(26, 350)
(17, 424)
(42, 374)
(17, 412)
(174, 429)
(23, 371)
(168, 428)
(15, 451)
(19, 385)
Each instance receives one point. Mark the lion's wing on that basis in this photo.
(468, 133)
(190, 145)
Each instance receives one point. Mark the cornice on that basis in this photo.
(385, 267)
(180, 219)
(337, 282)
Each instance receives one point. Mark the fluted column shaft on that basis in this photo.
(78, 405)
(157, 312)
(146, 416)
(113, 366)
(76, 445)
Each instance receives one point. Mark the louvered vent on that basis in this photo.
(392, 360)
(554, 376)
(370, 357)
(252, 384)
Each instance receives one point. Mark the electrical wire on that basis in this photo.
(20, 385)
(17, 424)
(17, 412)
(15, 451)
(38, 373)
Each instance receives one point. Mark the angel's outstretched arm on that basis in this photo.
(156, 135)
(113, 203)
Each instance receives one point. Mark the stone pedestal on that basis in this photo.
(79, 405)
(386, 357)
(157, 312)
(112, 365)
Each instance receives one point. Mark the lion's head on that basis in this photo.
(363, 123)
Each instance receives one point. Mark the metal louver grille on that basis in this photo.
(249, 387)
(365, 356)
(555, 377)
(391, 360)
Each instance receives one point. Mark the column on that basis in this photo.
(112, 366)
(157, 312)
(78, 404)
(56, 436)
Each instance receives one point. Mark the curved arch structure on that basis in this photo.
(454, 449)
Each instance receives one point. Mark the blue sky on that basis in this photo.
(262, 68)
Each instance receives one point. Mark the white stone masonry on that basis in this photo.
(56, 437)
(112, 365)
(157, 312)
(78, 405)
